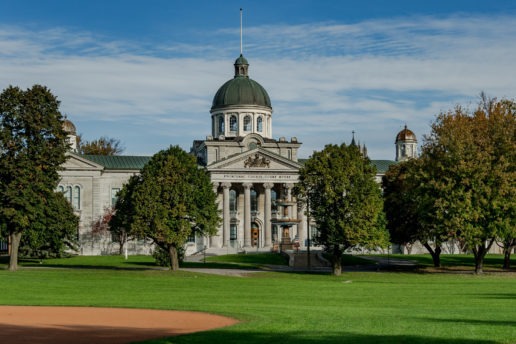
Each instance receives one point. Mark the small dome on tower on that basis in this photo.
(406, 135)
(69, 127)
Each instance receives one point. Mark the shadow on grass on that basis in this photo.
(78, 334)
(37, 263)
(473, 321)
(226, 336)
(501, 296)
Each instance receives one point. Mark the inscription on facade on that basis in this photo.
(255, 176)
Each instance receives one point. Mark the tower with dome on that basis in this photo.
(249, 168)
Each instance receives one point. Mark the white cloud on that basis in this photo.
(324, 79)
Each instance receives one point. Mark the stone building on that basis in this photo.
(249, 168)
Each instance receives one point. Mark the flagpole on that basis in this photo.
(240, 31)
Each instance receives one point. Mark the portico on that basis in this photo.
(248, 208)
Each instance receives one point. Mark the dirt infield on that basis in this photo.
(78, 325)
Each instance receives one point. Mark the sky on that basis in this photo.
(145, 71)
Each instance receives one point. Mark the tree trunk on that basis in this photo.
(174, 262)
(121, 247)
(122, 239)
(507, 258)
(436, 254)
(480, 252)
(336, 261)
(508, 246)
(15, 244)
(337, 266)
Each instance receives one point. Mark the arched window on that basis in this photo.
(68, 194)
(248, 124)
(221, 125)
(233, 123)
(259, 124)
(60, 188)
(76, 200)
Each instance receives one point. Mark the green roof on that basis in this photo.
(381, 165)
(241, 91)
(119, 162)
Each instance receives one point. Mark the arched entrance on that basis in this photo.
(255, 234)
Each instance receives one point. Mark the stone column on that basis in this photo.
(288, 197)
(301, 226)
(225, 213)
(267, 226)
(214, 240)
(247, 214)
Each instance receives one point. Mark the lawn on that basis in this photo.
(457, 261)
(358, 307)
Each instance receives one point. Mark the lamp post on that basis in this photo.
(308, 233)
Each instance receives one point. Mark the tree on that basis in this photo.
(102, 146)
(476, 152)
(54, 232)
(32, 148)
(413, 199)
(123, 213)
(345, 201)
(399, 204)
(172, 199)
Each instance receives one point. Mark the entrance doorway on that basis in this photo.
(255, 235)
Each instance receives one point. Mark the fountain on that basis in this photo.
(285, 222)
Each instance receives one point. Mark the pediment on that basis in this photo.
(75, 162)
(258, 159)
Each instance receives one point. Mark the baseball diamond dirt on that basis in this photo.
(81, 325)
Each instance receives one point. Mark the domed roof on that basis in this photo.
(69, 127)
(241, 90)
(406, 135)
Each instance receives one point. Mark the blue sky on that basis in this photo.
(145, 72)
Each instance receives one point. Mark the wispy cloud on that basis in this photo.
(324, 79)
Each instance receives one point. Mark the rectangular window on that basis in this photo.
(114, 195)
(191, 237)
(233, 232)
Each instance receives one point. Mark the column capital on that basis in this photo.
(268, 185)
(247, 185)
(225, 185)
(288, 185)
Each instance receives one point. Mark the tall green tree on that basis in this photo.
(53, 233)
(102, 146)
(339, 185)
(476, 153)
(172, 199)
(413, 203)
(123, 213)
(32, 148)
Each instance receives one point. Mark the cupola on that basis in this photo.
(406, 145)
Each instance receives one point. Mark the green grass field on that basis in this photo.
(359, 307)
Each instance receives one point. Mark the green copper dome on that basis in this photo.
(241, 90)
